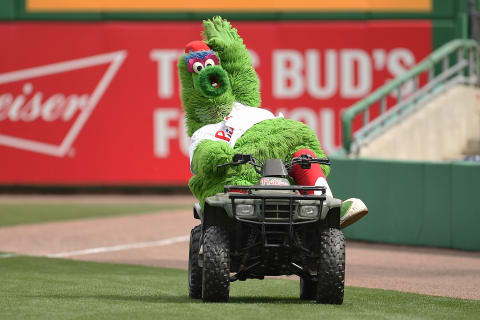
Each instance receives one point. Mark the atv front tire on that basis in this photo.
(216, 265)
(194, 270)
(331, 269)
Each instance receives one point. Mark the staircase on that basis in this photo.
(430, 113)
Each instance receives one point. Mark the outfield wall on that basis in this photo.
(412, 203)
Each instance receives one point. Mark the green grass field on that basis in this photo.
(18, 213)
(42, 288)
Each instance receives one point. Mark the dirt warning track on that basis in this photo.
(161, 239)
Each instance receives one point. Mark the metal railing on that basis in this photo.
(453, 63)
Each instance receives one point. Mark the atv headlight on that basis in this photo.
(244, 210)
(308, 211)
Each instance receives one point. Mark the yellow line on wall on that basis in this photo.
(228, 5)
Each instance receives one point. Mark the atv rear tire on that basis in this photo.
(331, 269)
(194, 270)
(216, 265)
(308, 289)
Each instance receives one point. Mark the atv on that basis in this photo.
(270, 229)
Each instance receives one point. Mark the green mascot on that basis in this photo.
(221, 100)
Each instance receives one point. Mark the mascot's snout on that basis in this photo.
(212, 81)
(208, 76)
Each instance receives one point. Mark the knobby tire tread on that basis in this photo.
(216, 265)
(194, 270)
(331, 269)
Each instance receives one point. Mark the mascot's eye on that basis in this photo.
(197, 67)
(209, 63)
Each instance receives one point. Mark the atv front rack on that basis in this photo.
(249, 189)
(265, 197)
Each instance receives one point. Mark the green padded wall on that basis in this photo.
(412, 203)
(7, 10)
(465, 209)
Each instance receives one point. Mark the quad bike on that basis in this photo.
(269, 229)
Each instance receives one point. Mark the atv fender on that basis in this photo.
(217, 211)
(329, 205)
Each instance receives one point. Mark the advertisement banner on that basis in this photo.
(98, 103)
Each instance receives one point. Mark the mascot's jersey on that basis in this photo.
(231, 128)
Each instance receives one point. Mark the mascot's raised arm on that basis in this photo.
(221, 100)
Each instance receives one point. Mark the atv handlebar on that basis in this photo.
(305, 161)
(239, 159)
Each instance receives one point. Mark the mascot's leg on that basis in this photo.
(309, 177)
(352, 209)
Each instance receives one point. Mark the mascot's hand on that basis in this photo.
(209, 154)
(219, 34)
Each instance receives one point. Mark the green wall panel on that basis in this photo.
(443, 31)
(7, 9)
(405, 201)
(348, 180)
(444, 8)
(435, 224)
(368, 189)
(343, 174)
(465, 214)
(412, 203)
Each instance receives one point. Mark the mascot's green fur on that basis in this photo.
(209, 94)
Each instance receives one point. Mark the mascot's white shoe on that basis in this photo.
(352, 210)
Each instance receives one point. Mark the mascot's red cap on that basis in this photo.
(196, 45)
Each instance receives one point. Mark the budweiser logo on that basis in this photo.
(30, 104)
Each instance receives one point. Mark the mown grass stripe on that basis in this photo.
(33, 213)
